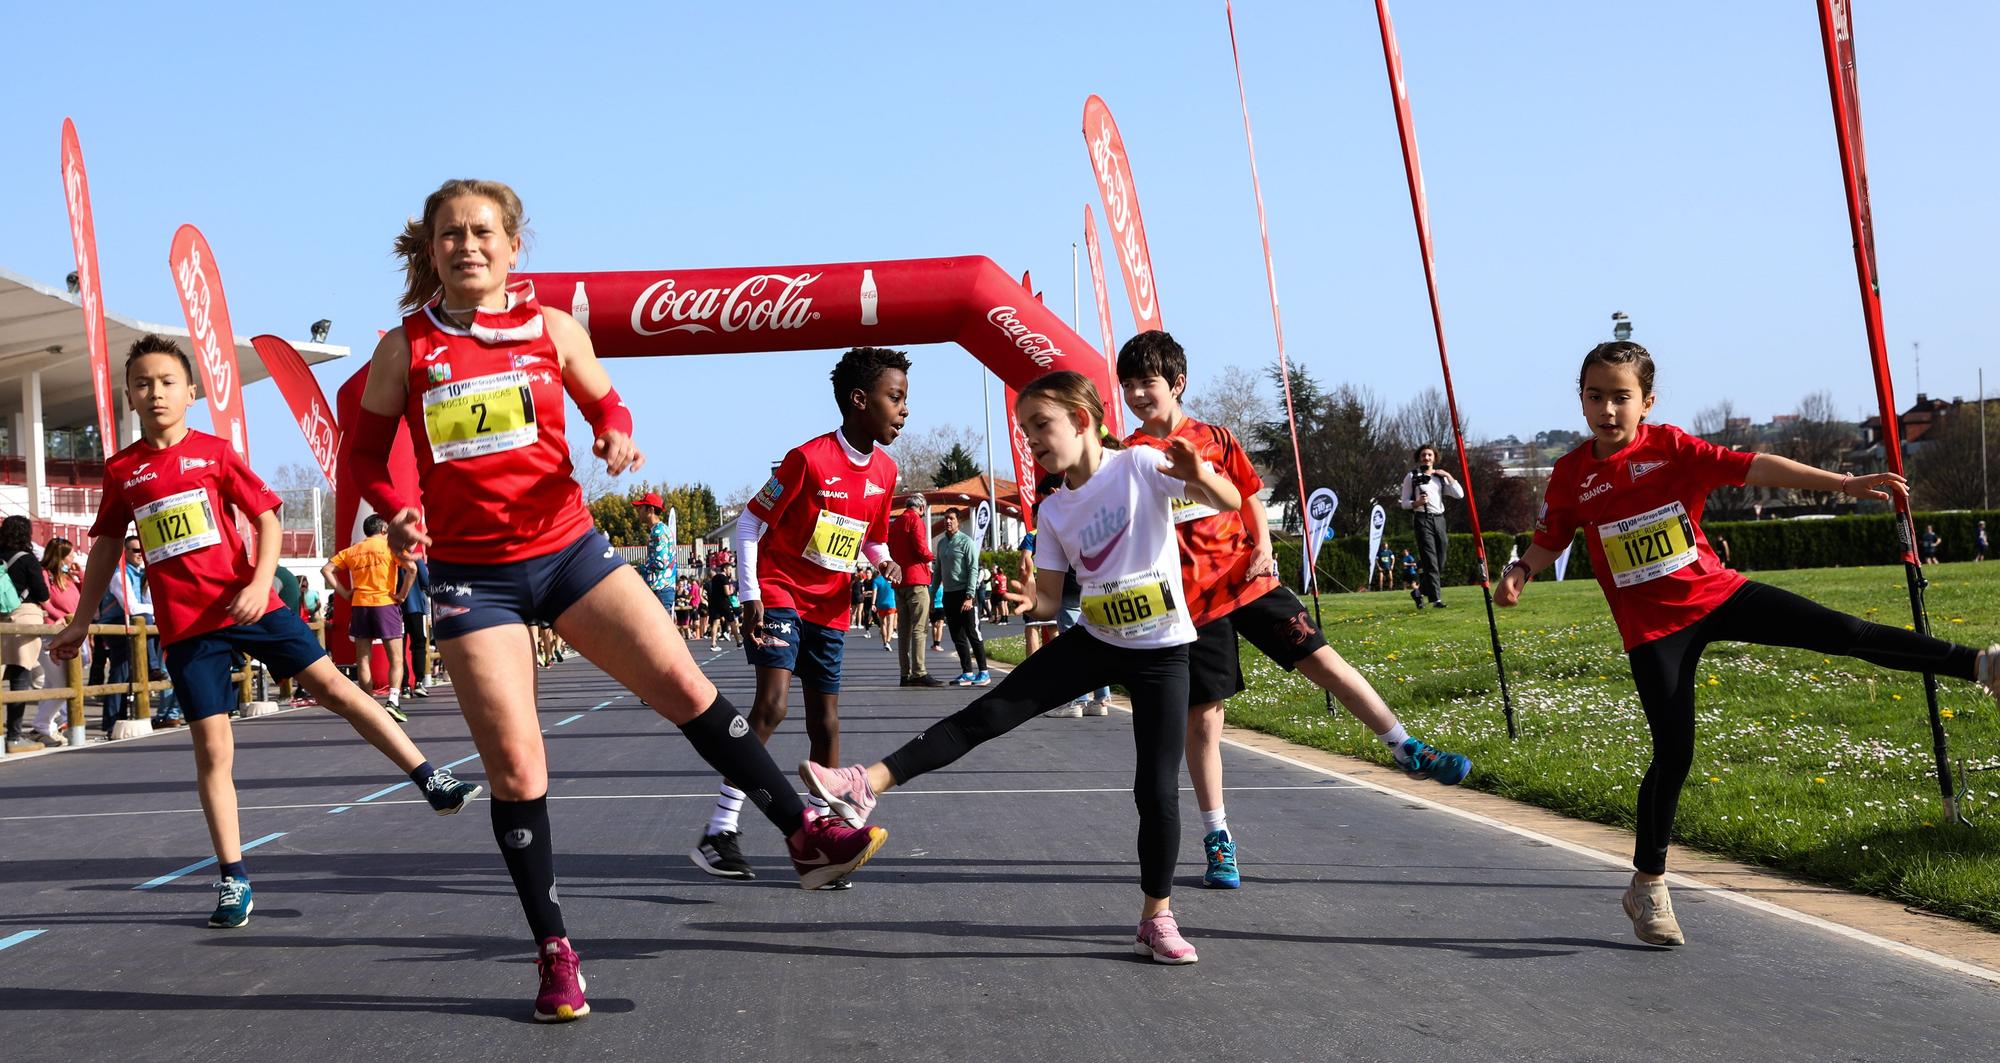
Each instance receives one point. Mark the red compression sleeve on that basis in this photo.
(606, 414)
(374, 434)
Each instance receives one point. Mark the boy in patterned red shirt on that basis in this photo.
(212, 600)
(1232, 589)
(798, 544)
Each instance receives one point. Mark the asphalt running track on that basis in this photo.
(995, 925)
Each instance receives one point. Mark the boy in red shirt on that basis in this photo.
(797, 546)
(1232, 589)
(211, 600)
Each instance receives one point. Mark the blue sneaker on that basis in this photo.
(1221, 873)
(965, 679)
(232, 908)
(982, 679)
(1425, 761)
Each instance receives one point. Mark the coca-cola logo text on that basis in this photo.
(1039, 348)
(1025, 466)
(198, 300)
(321, 439)
(1121, 212)
(761, 301)
(86, 277)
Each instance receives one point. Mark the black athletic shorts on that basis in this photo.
(1277, 623)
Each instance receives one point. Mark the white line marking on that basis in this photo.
(704, 795)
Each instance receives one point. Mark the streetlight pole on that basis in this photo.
(1983, 502)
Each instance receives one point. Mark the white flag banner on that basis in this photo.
(673, 539)
(1319, 528)
(1562, 562)
(981, 518)
(1378, 519)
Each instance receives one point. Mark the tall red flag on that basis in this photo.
(1121, 211)
(1100, 291)
(200, 286)
(1836, 30)
(1025, 468)
(83, 239)
(303, 394)
(1407, 130)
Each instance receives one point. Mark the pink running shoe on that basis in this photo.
(1160, 937)
(561, 998)
(827, 850)
(845, 790)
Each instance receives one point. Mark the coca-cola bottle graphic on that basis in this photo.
(579, 307)
(868, 297)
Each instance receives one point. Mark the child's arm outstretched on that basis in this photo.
(1516, 577)
(1770, 470)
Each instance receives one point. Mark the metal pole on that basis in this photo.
(992, 485)
(1075, 295)
(1983, 503)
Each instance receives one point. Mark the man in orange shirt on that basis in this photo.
(377, 581)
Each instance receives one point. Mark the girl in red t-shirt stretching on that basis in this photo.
(1636, 491)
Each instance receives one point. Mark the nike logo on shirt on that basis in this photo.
(1096, 561)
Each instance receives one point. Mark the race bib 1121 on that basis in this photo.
(177, 524)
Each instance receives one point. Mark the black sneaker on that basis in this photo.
(718, 855)
(927, 681)
(447, 793)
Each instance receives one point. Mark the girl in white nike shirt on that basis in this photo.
(1112, 525)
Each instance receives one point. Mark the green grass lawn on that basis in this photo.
(1821, 767)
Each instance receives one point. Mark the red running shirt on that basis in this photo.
(180, 497)
(821, 507)
(1215, 546)
(1640, 511)
(485, 411)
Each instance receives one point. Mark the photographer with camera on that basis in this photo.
(1424, 490)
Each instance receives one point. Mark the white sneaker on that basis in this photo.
(1986, 671)
(1096, 707)
(1652, 913)
(1071, 711)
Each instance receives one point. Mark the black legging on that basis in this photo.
(964, 625)
(1072, 664)
(18, 678)
(1430, 554)
(1664, 670)
(415, 642)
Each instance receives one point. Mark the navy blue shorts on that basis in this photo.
(199, 665)
(810, 651)
(469, 598)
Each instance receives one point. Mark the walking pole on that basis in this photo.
(1836, 32)
(1413, 170)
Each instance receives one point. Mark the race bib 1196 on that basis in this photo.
(1130, 608)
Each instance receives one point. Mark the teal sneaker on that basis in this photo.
(1221, 873)
(982, 679)
(1425, 761)
(232, 908)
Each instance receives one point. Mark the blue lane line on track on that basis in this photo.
(12, 940)
(384, 792)
(569, 720)
(462, 760)
(601, 704)
(338, 811)
(210, 862)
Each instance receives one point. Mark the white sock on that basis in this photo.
(395, 696)
(815, 801)
(728, 804)
(1394, 738)
(1213, 820)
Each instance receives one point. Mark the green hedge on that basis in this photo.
(1343, 566)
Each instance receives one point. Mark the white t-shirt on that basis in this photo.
(1116, 534)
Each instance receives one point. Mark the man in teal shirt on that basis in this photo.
(957, 573)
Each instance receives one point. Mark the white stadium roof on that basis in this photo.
(41, 328)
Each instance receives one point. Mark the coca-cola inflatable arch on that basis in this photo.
(968, 301)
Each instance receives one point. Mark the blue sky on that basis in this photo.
(1675, 162)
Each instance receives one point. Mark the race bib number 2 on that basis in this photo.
(176, 524)
(483, 415)
(835, 542)
(1130, 608)
(1643, 548)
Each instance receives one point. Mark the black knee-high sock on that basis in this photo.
(722, 737)
(522, 829)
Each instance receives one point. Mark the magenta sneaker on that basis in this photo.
(1160, 937)
(827, 849)
(561, 998)
(845, 790)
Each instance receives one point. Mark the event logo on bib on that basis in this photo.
(746, 306)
